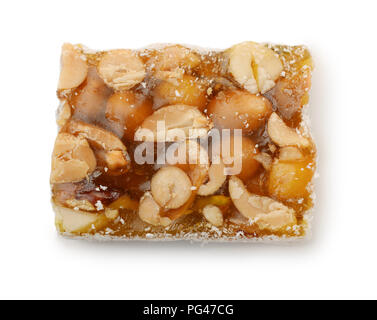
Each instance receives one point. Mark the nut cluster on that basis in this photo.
(113, 101)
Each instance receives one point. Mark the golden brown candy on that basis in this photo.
(172, 142)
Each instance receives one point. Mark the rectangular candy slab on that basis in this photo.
(173, 142)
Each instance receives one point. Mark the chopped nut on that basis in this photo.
(277, 219)
(186, 118)
(265, 159)
(272, 147)
(213, 215)
(266, 212)
(254, 66)
(111, 214)
(121, 69)
(238, 109)
(283, 135)
(188, 90)
(149, 211)
(173, 61)
(77, 221)
(290, 154)
(100, 137)
(80, 204)
(196, 167)
(72, 159)
(116, 159)
(171, 187)
(196, 162)
(217, 178)
(74, 67)
(116, 155)
(64, 114)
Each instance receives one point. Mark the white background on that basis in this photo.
(339, 262)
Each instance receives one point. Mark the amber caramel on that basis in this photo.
(112, 104)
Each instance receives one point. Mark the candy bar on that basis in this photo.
(174, 142)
